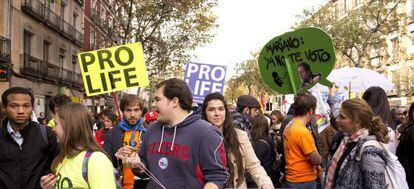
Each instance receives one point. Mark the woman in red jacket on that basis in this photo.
(108, 119)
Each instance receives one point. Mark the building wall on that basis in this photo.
(21, 21)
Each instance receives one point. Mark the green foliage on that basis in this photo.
(358, 31)
(247, 76)
(168, 30)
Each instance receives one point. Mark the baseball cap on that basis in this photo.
(151, 116)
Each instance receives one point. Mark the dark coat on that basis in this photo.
(405, 153)
(22, 168)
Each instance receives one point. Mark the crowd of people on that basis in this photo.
(176, 145)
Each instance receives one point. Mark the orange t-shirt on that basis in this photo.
(128, 175)
(298, 144)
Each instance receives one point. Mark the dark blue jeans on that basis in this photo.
(300, 185)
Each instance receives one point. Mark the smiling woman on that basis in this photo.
(239, 150)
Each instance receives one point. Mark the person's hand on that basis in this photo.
(321, 174)
(316, 79)
(48, 181)
(133, 161)
(124, 152)
(333, 90)
(267, 186)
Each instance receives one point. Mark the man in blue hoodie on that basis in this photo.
(180, 150)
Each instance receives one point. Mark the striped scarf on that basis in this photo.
(332, 168)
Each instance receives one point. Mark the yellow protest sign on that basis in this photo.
(113, 69)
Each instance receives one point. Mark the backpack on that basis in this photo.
(85, 170)
(395, 174)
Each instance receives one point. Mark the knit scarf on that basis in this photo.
(137, 127)
(332, 168)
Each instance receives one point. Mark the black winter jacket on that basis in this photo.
(405, 153)
(22, 168)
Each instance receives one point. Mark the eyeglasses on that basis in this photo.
(403, 113)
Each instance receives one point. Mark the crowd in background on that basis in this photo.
(173, 144)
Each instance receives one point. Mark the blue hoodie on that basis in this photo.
(190, 155)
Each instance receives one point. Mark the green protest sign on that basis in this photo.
(297, 60)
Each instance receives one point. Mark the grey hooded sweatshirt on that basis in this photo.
(187, 155)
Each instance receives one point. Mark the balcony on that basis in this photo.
(34, 8)
(78, 38)
(77, 80)
(52, 20)
(66, 76)
(49, 72)
(68, 29)
(52, 72)
(32, 66)
(45, 15)
(96, 18)
(5, 50)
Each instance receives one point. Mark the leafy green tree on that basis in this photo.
(359, 34)
(248, 75)
(168, 30)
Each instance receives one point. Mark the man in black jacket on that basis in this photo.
(26, 149)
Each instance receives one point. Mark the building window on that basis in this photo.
(62, 58)
(94, 4)
(74, 20)
(27, 43)
(92, 39)
(46, 47)
(74, 62)
(62, 10)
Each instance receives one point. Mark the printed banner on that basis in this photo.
(204, 79)
(113, 69)
(297, 60)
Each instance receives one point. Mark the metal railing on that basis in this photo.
(32, 66)
(77, 80)
(5, 49)
(52, 72)
(66, 76)
(44, 70)
(34, 8)
(96, 17)
(44, 14)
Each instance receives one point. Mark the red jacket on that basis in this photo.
(99, 138)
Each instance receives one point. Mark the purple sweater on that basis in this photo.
(190, 155)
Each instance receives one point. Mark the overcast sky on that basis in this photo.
(246, 25)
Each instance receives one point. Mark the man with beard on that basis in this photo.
(123, 140)
(308, 78)
(247, 108)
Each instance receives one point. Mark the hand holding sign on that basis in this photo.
(297, 60)
(113, 69)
